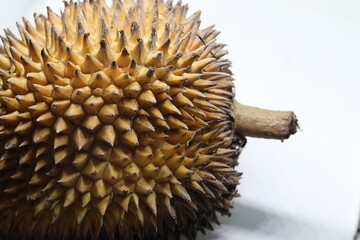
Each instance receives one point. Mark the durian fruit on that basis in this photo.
(116, 122)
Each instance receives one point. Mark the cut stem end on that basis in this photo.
(262, 123)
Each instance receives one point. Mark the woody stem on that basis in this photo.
(262, 123)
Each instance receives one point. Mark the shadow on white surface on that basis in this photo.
(255, 219)
(246, 218)
(251, 222)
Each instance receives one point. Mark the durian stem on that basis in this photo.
(262, 123)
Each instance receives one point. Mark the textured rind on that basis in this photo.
(115, 123)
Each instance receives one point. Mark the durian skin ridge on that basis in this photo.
(116, 122)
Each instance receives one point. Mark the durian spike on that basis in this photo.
(263, 123)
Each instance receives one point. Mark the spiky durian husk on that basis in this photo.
(116, 123)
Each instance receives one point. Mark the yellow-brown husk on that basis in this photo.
(115, 123)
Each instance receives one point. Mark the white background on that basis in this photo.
(302, 55)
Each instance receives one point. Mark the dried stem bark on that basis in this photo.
(262, 123)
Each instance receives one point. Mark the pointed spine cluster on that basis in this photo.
(118, 117)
